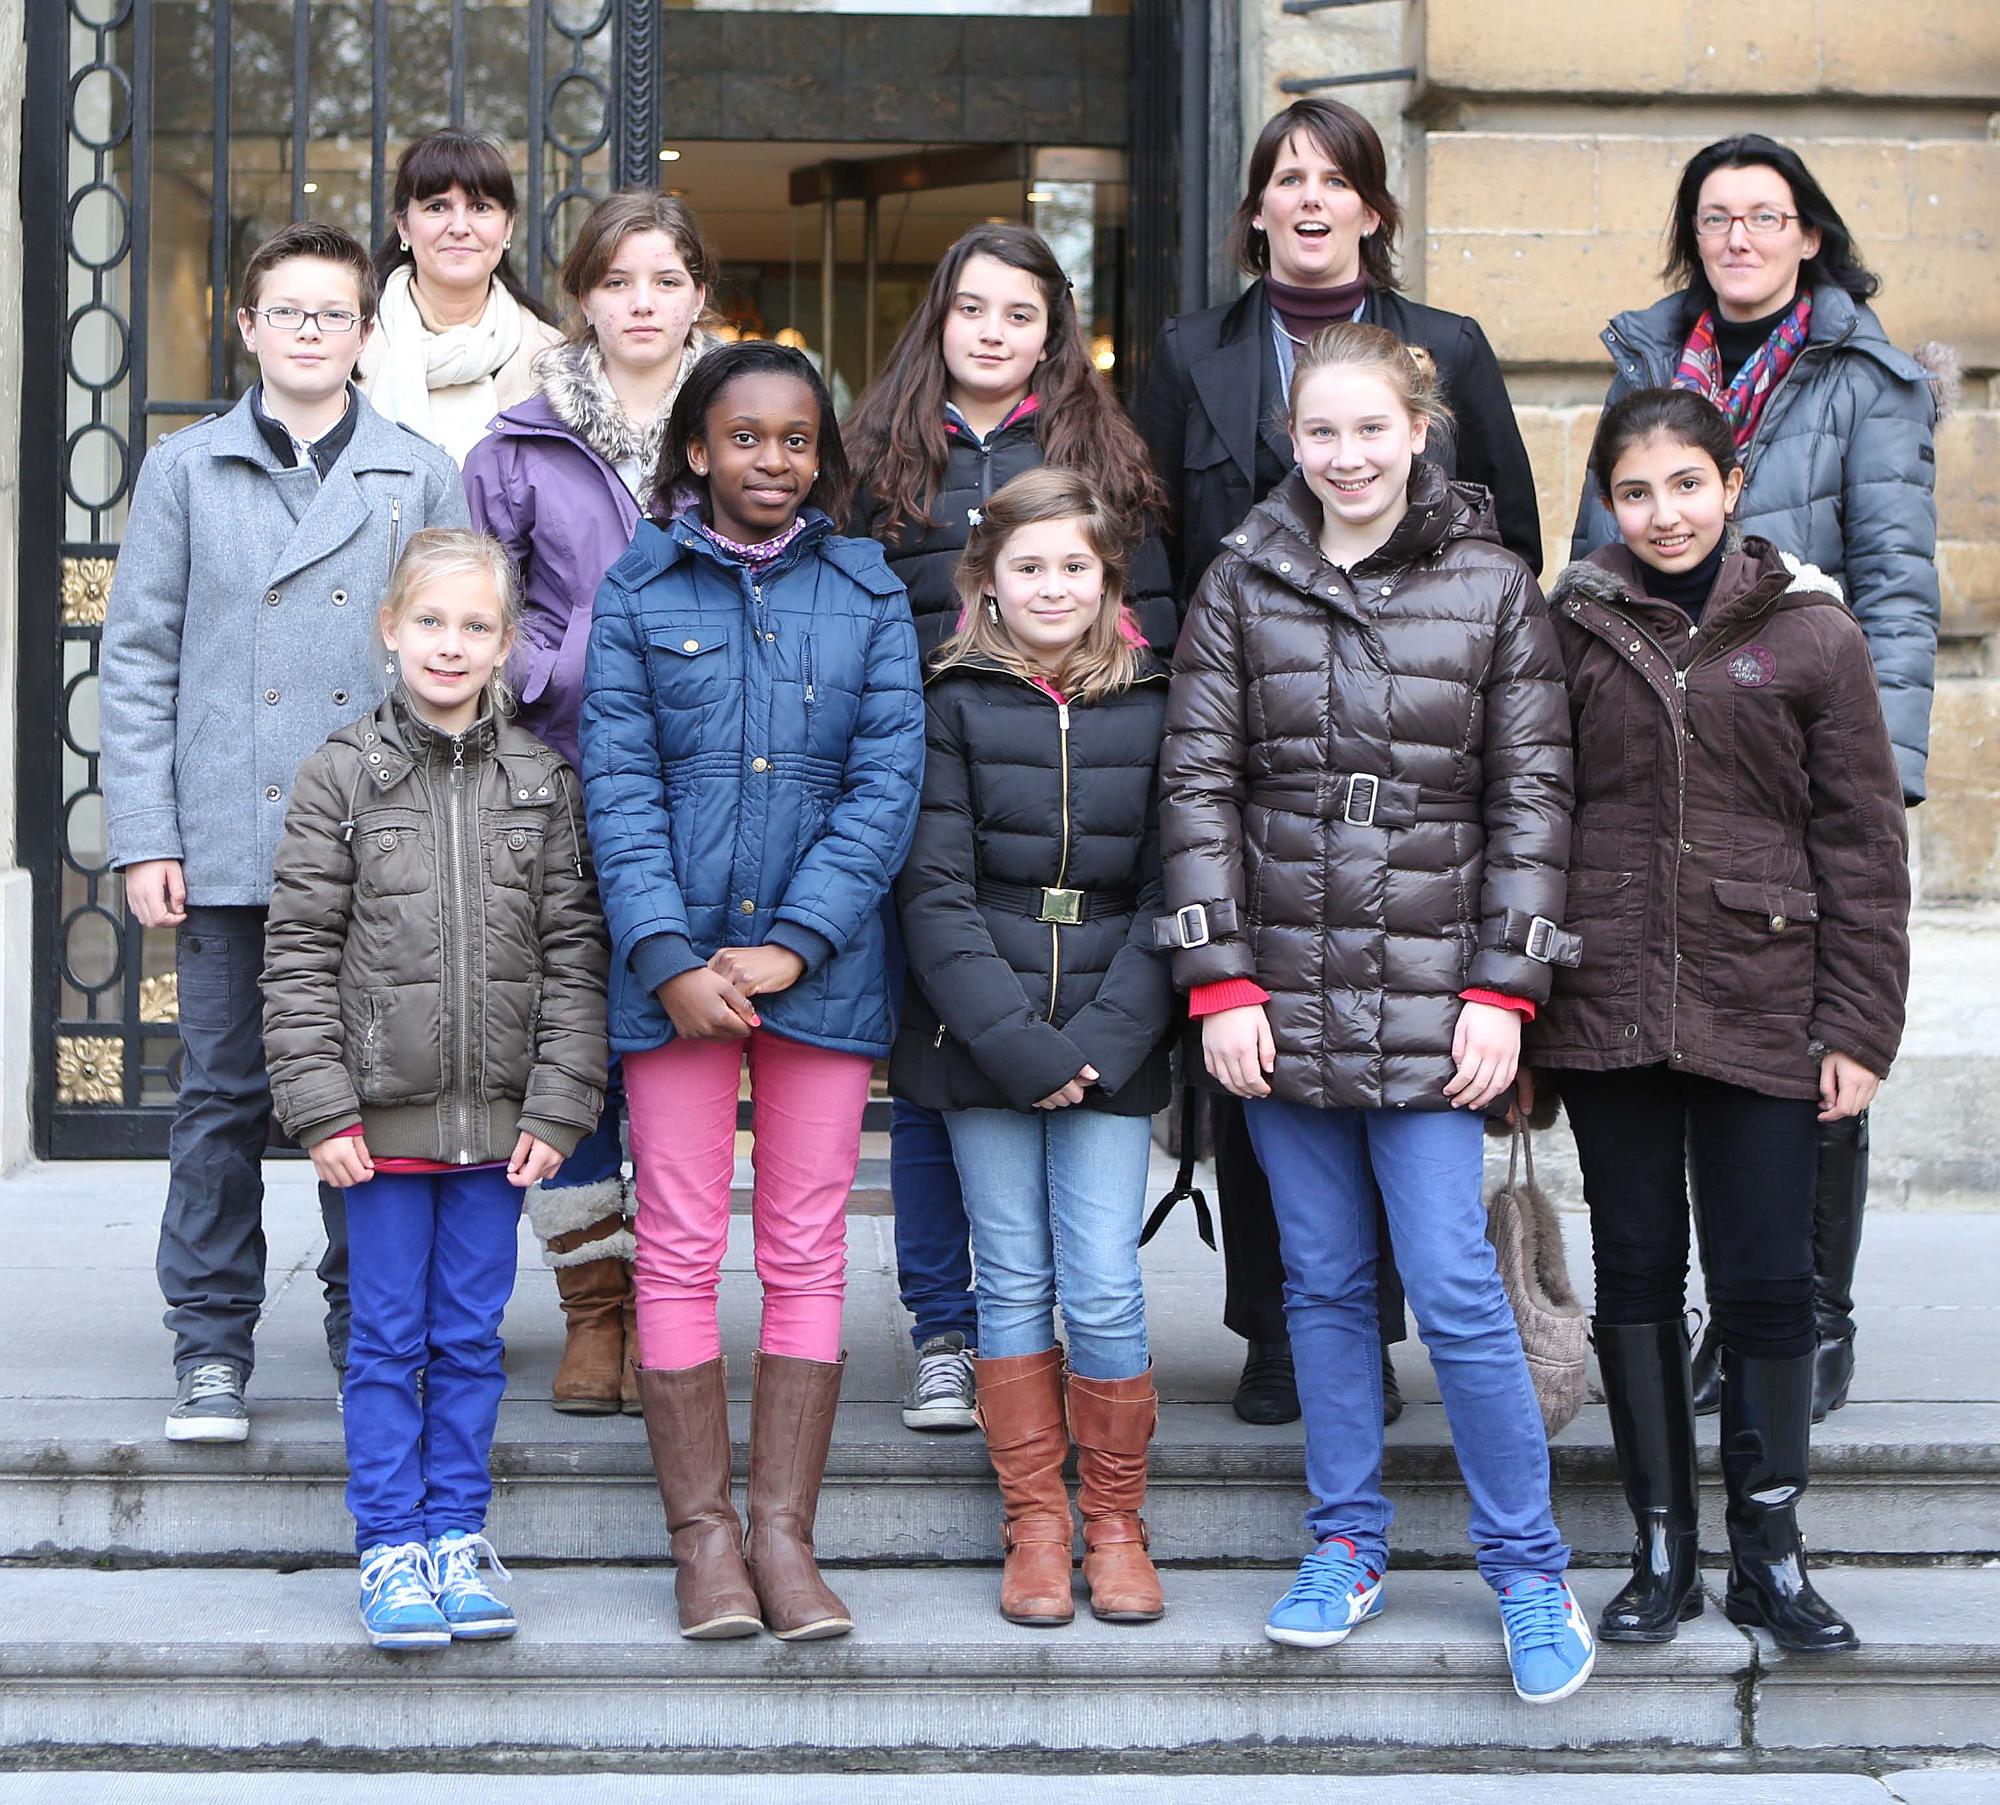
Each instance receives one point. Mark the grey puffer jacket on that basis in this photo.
(434, 958)
(1422, 689)
(1840, 473)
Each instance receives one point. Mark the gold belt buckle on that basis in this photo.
(1063, 907)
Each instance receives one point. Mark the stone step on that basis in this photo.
(1904, 1786)
(234, 1660)
(1898, 1481)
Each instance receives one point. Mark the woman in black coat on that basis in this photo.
(1316, 230)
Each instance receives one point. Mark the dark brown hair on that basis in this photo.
(435, 164)
(674, 475)
(1836, 260)
(1679, 415)
(309, 238)
(613, 220)
(1350, 144)
(897, 429)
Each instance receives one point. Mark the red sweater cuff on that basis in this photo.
(1521, 1006)
(1225, 993)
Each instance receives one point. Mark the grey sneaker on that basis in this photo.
(209, 1405)
(941, 1395)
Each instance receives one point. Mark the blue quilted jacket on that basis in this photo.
(753, 752)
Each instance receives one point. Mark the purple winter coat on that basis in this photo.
(565, 517)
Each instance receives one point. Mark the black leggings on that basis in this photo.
(1754, 1158)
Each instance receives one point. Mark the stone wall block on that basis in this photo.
(1771, 48)
(1931, 49)
(1961, 821)
(1968, 476)
(1969, 586)
(1542, 298)
(1542, 46)
(1506, 182)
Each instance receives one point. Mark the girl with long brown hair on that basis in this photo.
(991, 378)
(562, 482)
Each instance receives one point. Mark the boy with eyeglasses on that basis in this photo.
(240, 633)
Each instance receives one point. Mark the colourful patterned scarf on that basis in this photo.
(1742, 401)
(767, 551)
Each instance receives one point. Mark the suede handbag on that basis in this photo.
(1527, 1243)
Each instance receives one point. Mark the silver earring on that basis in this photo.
(993, 610)
(406, 244)
(508, 246)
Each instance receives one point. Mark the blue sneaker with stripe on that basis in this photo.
(1549, 1645)
(475, 1612)
(398, 1602)
(1335, 1590)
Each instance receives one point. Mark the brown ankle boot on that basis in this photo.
(792, 1404)
(687, 1428)
(1112, 1421)
(1021, 1410)
(628, 1375)
(586, 1238)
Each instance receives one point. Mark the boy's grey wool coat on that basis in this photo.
(241, 632)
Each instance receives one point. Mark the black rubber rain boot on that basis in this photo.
(1647, 1392)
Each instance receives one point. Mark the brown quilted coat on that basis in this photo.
(1738, 873)
(434, 958)
(1431, 668)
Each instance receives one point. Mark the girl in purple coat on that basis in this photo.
(558, 481)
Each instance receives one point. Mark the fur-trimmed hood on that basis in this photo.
(1613, 577)
(579, 392)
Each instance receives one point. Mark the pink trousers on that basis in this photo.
(806, 1147)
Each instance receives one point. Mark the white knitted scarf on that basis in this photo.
(440, 384)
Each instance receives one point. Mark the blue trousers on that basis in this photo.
(1056, 1199)
(431, 1267)
(933, 1238)
(1427, 1164)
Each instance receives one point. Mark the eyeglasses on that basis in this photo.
(333, 320)
(1766, 222)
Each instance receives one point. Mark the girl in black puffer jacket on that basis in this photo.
(991, 378)
(1038, 1018)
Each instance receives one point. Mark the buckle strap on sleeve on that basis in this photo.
(1534, 936)
(1195, 924)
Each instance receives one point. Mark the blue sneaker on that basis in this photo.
(1548, 1643)
(1333, 1592)
(397, 1606)
(470, 1606)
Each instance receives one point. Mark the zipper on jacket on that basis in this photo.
(395, 530)
(1062, 869)
(457, 972)
(937, 1045)
(368, 1033)
(811, 670)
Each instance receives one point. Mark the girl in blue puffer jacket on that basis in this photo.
(753, 745)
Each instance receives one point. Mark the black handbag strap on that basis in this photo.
(1184, 1185)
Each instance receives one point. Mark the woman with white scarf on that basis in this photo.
(456, 335)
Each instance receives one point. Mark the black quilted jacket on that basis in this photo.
(1430, 669)
(925, 558)
(1020, 792)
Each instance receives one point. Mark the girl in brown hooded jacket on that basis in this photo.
(1738, 879)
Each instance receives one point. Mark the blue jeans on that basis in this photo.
(1428, 1166)
(933, 1243)
(432, 1260)
(1056, 1198)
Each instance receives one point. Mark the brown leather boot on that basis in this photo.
(1112, 1421)
(586, 1238)
(1021, 1410)
(792, 1404)
(687, 1428)
(628, 1377)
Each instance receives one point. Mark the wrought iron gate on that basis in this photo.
(242, 114)
(163, 139)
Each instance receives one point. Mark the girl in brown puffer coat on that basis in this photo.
(1365, 800)
(1738, 879)
(434, 975)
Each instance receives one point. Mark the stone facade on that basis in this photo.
(1536, 147)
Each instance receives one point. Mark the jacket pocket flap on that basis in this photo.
(1774, 901)
(688, 642)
